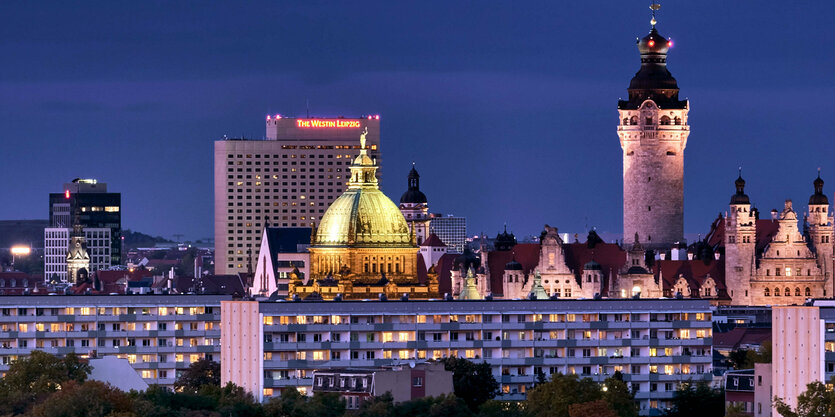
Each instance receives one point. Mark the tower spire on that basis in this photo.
(654, 7)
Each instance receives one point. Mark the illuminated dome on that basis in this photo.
(363, 216)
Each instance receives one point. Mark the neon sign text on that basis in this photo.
(328, 123)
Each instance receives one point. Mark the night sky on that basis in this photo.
(508, 108)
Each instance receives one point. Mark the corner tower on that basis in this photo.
(653, 133)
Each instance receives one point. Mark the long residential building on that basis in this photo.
(655, 344)
(160, 335)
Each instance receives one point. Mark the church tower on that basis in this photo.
(78, 260)
(415, 208)
(653, 132)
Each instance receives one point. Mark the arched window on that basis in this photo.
(625, 121)
(776, 292)
(808, 292)
(767, 292)
(677, 120)
(788, 292)
(665, 120)
(633, 120)
(797, 292)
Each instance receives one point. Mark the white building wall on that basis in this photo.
(797, 350)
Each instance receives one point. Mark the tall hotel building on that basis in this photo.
(286, 180)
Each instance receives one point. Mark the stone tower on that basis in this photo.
(819, 226)
(740, 245)
(653, 133)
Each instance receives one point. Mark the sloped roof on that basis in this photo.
(694, 271)
(740, 336)
(433, 240)
(766, 229)
(526, 254)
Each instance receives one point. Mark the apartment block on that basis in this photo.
(654, 343)
(160, 335)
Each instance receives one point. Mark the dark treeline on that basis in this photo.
(46, 385)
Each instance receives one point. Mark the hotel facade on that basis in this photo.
(287, 179)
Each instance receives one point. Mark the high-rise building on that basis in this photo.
(86, 204)
(653, 132)
(451, 230)
(286, 180)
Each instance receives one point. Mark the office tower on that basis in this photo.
(286, 180)
(451, 230)
(97, 213)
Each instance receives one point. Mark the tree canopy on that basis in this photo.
(203, 372)
(556, 397)
(472, 382)
(816, 401)
(697, 400)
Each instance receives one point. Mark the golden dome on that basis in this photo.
(363, 216)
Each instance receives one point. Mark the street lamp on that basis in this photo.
(19, 250)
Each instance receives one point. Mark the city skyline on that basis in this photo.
(482, 105)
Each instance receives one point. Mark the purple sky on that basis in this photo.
(508, 109)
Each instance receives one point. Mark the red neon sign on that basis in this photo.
(327, 123)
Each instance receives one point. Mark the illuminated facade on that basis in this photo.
(773, 261)
(160, 335)
(363, 246)
(653, 133)
(656, 344)
(287, 180)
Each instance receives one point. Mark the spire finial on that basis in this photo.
(740, 171)
(654, 7)
(819, 172)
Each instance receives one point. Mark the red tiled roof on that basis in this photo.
(433, 240)
(695, 271)
(526, 254)
(739, 336)
(766, 229)
(610, 256)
